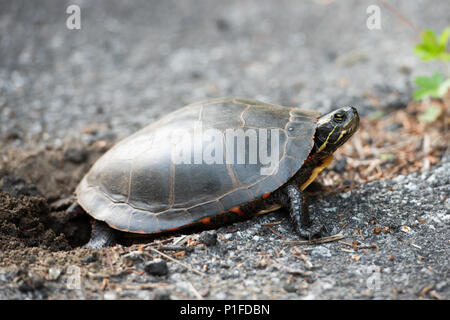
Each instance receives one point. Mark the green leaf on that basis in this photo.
(431, 48)
(444, 36)
(443, 88)
(445, 56)
(428, 86)
(430, 114)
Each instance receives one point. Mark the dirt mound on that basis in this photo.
(26, 222)
(34, 190)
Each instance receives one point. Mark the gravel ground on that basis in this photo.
(132, 62)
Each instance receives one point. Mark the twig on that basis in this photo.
(181, 240)
(144, 286)
(371, 246)
(425, 290)
(105, 283)
(435, 295)
(317, 241)
(195, 292)
(346, 243)
(277, 253)
(270, 223)
(109, 260)
(176, 261)
(173, 248)
(276, 233)
(360, 233)
(357, 247)
(308, 263)
(301, 254)
(401, 16)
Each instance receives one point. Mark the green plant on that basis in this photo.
(430, 115)
(432, 48)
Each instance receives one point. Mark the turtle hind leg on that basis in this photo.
(102, 236)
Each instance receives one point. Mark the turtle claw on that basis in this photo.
(324, 231)
(304, 233)
(313, 232)
(321, 232)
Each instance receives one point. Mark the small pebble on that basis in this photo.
(208, 238)
(157, 267)
(90, 259)
(340, 165)
(110, 295)
(289, 287)
(76, 155)
(53, 274)
(161, 294)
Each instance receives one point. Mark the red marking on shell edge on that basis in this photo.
(237, 210)
(266, 195)
(310, 158)
(206, 221)
(173, 229)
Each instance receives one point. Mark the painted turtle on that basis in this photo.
(173, 173)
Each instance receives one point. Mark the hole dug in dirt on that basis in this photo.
(27, 221)
(35, 190)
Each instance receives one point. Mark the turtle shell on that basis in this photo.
(138, 187)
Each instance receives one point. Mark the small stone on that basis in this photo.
(76, 155)
(110, 295)
(157, 267)
(256, 238)
(441, 285)
(405, 229)
(394, 126)
(411, 186)
(228, 236)
(162, 294)
(208, 238)
(340, 165)
(90, 259)
(53, 274)
(31, 282)
(262, 264)
(289, 287)
(220, 296)
(222, 25)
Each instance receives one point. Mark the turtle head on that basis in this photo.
(334, 129)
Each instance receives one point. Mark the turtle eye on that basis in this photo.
(339, 117)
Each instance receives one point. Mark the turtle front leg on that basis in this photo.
(102, 236)
(294, 201)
